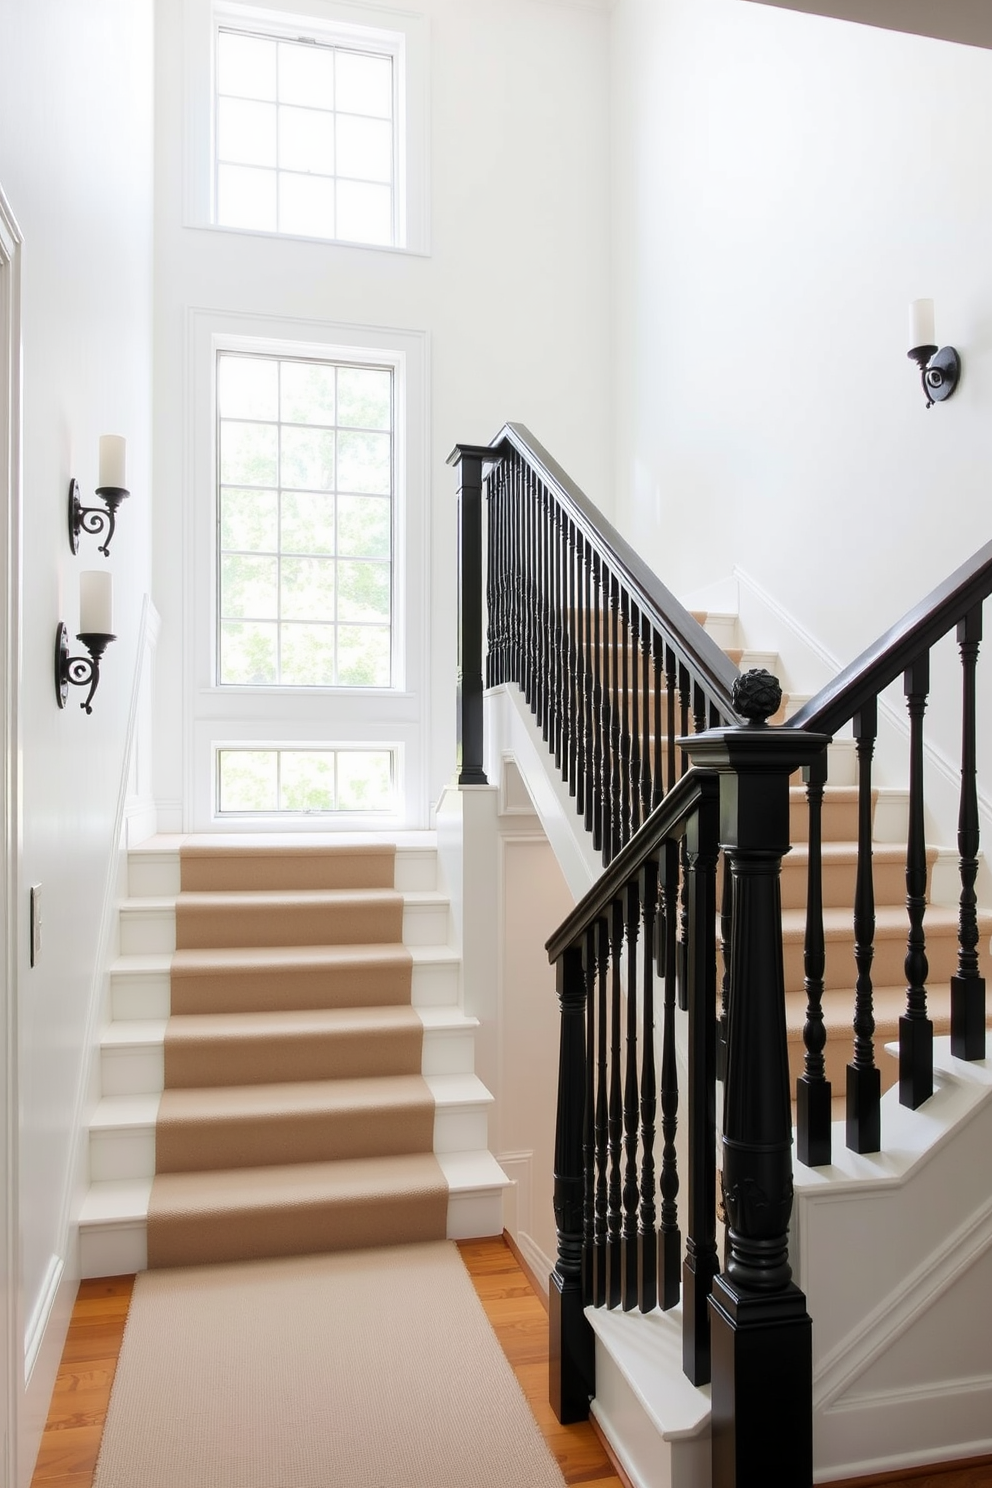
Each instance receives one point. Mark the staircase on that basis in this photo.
(287, 1067)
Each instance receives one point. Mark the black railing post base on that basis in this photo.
(968, 1017)
(697, 1284)
(864, 1121)
(915, 1061)
(762, 1419)
(813, 1114)
(571, 1352)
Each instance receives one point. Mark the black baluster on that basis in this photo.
(617, 838)
(580, 663)
(685, 692)
(631, 1111)
(557, 634)
(614, 1212)
(589, 1123)
(545, 622)
(726, 924)
(658, 667)
(701, 1263)
(813, 1088)
(600, 1293)
(530, 585)
(671, 686)
(491, 522)
(968, 986)
(670, 1254)
(915, 1027)
(469, 459)
(572, 716)
(600, 828)
(572, 1358)
(633, 643)
(647, 1239)
(864, 1082)
(647, 758)
(698, 710)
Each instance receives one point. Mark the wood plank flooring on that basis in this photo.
(71, 1441)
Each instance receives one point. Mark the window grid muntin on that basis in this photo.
(392, 118)
(336, 751)
(387, 499)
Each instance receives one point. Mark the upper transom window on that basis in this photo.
(306, 137)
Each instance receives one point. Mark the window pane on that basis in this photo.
(248, 780)
(247, 388)
(248, 454)
(307, 393)
(364, 84)
(306, 206)
(365, 397)
(307, 589)
(246, 197)
(363, 656)
(364, 463)
(306, 74)
(307, 522)
(364, 780)
(248, 587)
(246, 65)
(246, 132)
(248, 654)
(308, 655)
(363, 591)
(307, 458)
(365, 148)
(363, 527)
(306, 140)
(365, 213)
(249, 521)
(307, 780)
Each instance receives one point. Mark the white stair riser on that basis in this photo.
(649, 1460)
(140, 1070)
(145, 994)
(129, 1152)
(150, 874)
(149, 931)
(118, 1249)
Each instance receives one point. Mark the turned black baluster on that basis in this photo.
(671, 686)
(685, 692)
(864, 1081)
(915, 1027)
(631, 1111)
(618, 706)
(726, 924)
(701, 1262)
(647, 1239)
(647, 757)
(468, 460)
(589, 1123)
(658, 666)
(600, 826)
(572, 1359)
(968, 986)
(580, 663)
(546, 620)
(558, 604)
(599, 1288)
(614, 1212)
(572, 720)
(670, 1253)
(636, 705)
(588, 672)
(529, 599)
(699, 719)
(492, 546)
(813, 1088)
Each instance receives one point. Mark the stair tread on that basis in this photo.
(134, 1033)
(300, 1183)
(290, 1023)
(192, 960)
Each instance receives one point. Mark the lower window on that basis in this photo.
(305, 781)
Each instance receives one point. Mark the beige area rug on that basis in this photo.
(375, 1369)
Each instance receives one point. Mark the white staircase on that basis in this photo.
(122, 1130)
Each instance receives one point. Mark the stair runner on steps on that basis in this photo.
(294, 1116)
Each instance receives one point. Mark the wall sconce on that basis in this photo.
(112, 490)
(940, 369)
(96, 604)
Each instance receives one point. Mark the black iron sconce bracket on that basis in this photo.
(940, 370)
(94, 519)
(80, 671)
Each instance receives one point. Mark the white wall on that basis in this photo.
(75, 164)
(784, 185)
(513, 295)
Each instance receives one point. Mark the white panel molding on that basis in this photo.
(518, 1168)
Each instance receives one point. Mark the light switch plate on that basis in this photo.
(35, 924)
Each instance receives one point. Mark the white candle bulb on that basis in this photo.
(921, 326)
(113, 461)
(96, 602)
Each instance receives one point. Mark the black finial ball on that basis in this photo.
(757, 695)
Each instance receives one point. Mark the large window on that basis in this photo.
(305, 522)
(305, 137)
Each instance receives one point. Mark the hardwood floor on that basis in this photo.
(71, 1441)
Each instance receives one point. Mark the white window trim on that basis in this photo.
(404, 34)
(327, 821)
(397, 716)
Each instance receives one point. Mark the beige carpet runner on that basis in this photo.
(294, 1117)
(372, 1370)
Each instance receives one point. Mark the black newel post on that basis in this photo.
(571, 1348)
(467, 460)
(760, 1331)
